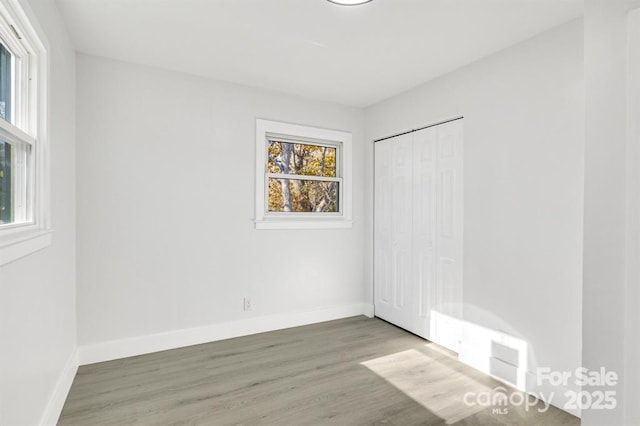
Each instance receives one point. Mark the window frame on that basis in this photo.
(30, 126)
(266, 131)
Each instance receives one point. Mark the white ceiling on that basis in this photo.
(353, 55)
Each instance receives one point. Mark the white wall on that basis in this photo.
(608, 339)
(632, 285)
(166, 242)
(38, 293)
(523, 194)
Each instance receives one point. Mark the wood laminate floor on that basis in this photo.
(355, 371)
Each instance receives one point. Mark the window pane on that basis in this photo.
(15, 161)
(301, 159)
(303, 196)
(6, 187)
(5, 83)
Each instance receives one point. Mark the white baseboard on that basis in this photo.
(368, 310)
(63, 385)
(560, 394)
(116, 349)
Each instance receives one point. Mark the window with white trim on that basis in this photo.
(303, 177)
(24, 211)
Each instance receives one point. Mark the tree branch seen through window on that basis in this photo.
(302, 178)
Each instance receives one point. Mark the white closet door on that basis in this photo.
(445, 329)
(418, 232)
(394, 287)
(424, 226)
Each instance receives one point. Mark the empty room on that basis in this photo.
(310, 212)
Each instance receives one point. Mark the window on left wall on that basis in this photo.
(24, 161)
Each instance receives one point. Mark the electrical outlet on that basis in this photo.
(248, 304)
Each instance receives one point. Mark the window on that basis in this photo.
(24, 214)
(303, 177)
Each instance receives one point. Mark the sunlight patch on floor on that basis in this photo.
(430, 382)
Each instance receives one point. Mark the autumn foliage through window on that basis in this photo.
(303, 177)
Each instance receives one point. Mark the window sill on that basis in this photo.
(22, 243)
(303, 224)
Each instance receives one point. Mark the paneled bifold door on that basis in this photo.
(418, 232)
